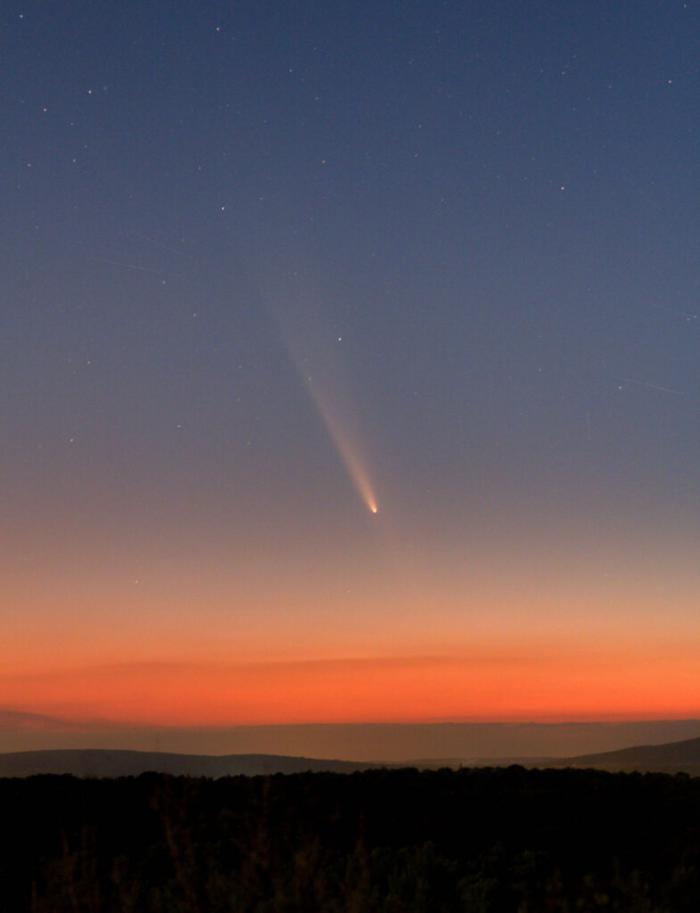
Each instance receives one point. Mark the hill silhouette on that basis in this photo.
(672, 757)
(98, 762)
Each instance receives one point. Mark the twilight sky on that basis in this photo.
(267, 264)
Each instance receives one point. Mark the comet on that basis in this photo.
(314, 350)
(347, 446)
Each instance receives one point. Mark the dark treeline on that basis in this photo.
(475, 841)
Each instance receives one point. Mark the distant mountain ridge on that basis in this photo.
(105, 762)
(396, 743)
(671, 757)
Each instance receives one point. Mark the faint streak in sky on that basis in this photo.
(136, 268)
(156, 243)
(650, 386)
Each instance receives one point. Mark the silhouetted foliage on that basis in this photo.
(384, 841)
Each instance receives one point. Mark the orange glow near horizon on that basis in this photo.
(474, 686)
(365, 629)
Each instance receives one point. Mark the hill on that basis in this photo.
(99, 762)
(673, 757)
(670, 758)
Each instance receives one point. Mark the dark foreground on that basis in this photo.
(476, 841)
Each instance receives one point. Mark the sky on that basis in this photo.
(349, 361)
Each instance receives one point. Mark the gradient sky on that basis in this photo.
(266, 264)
